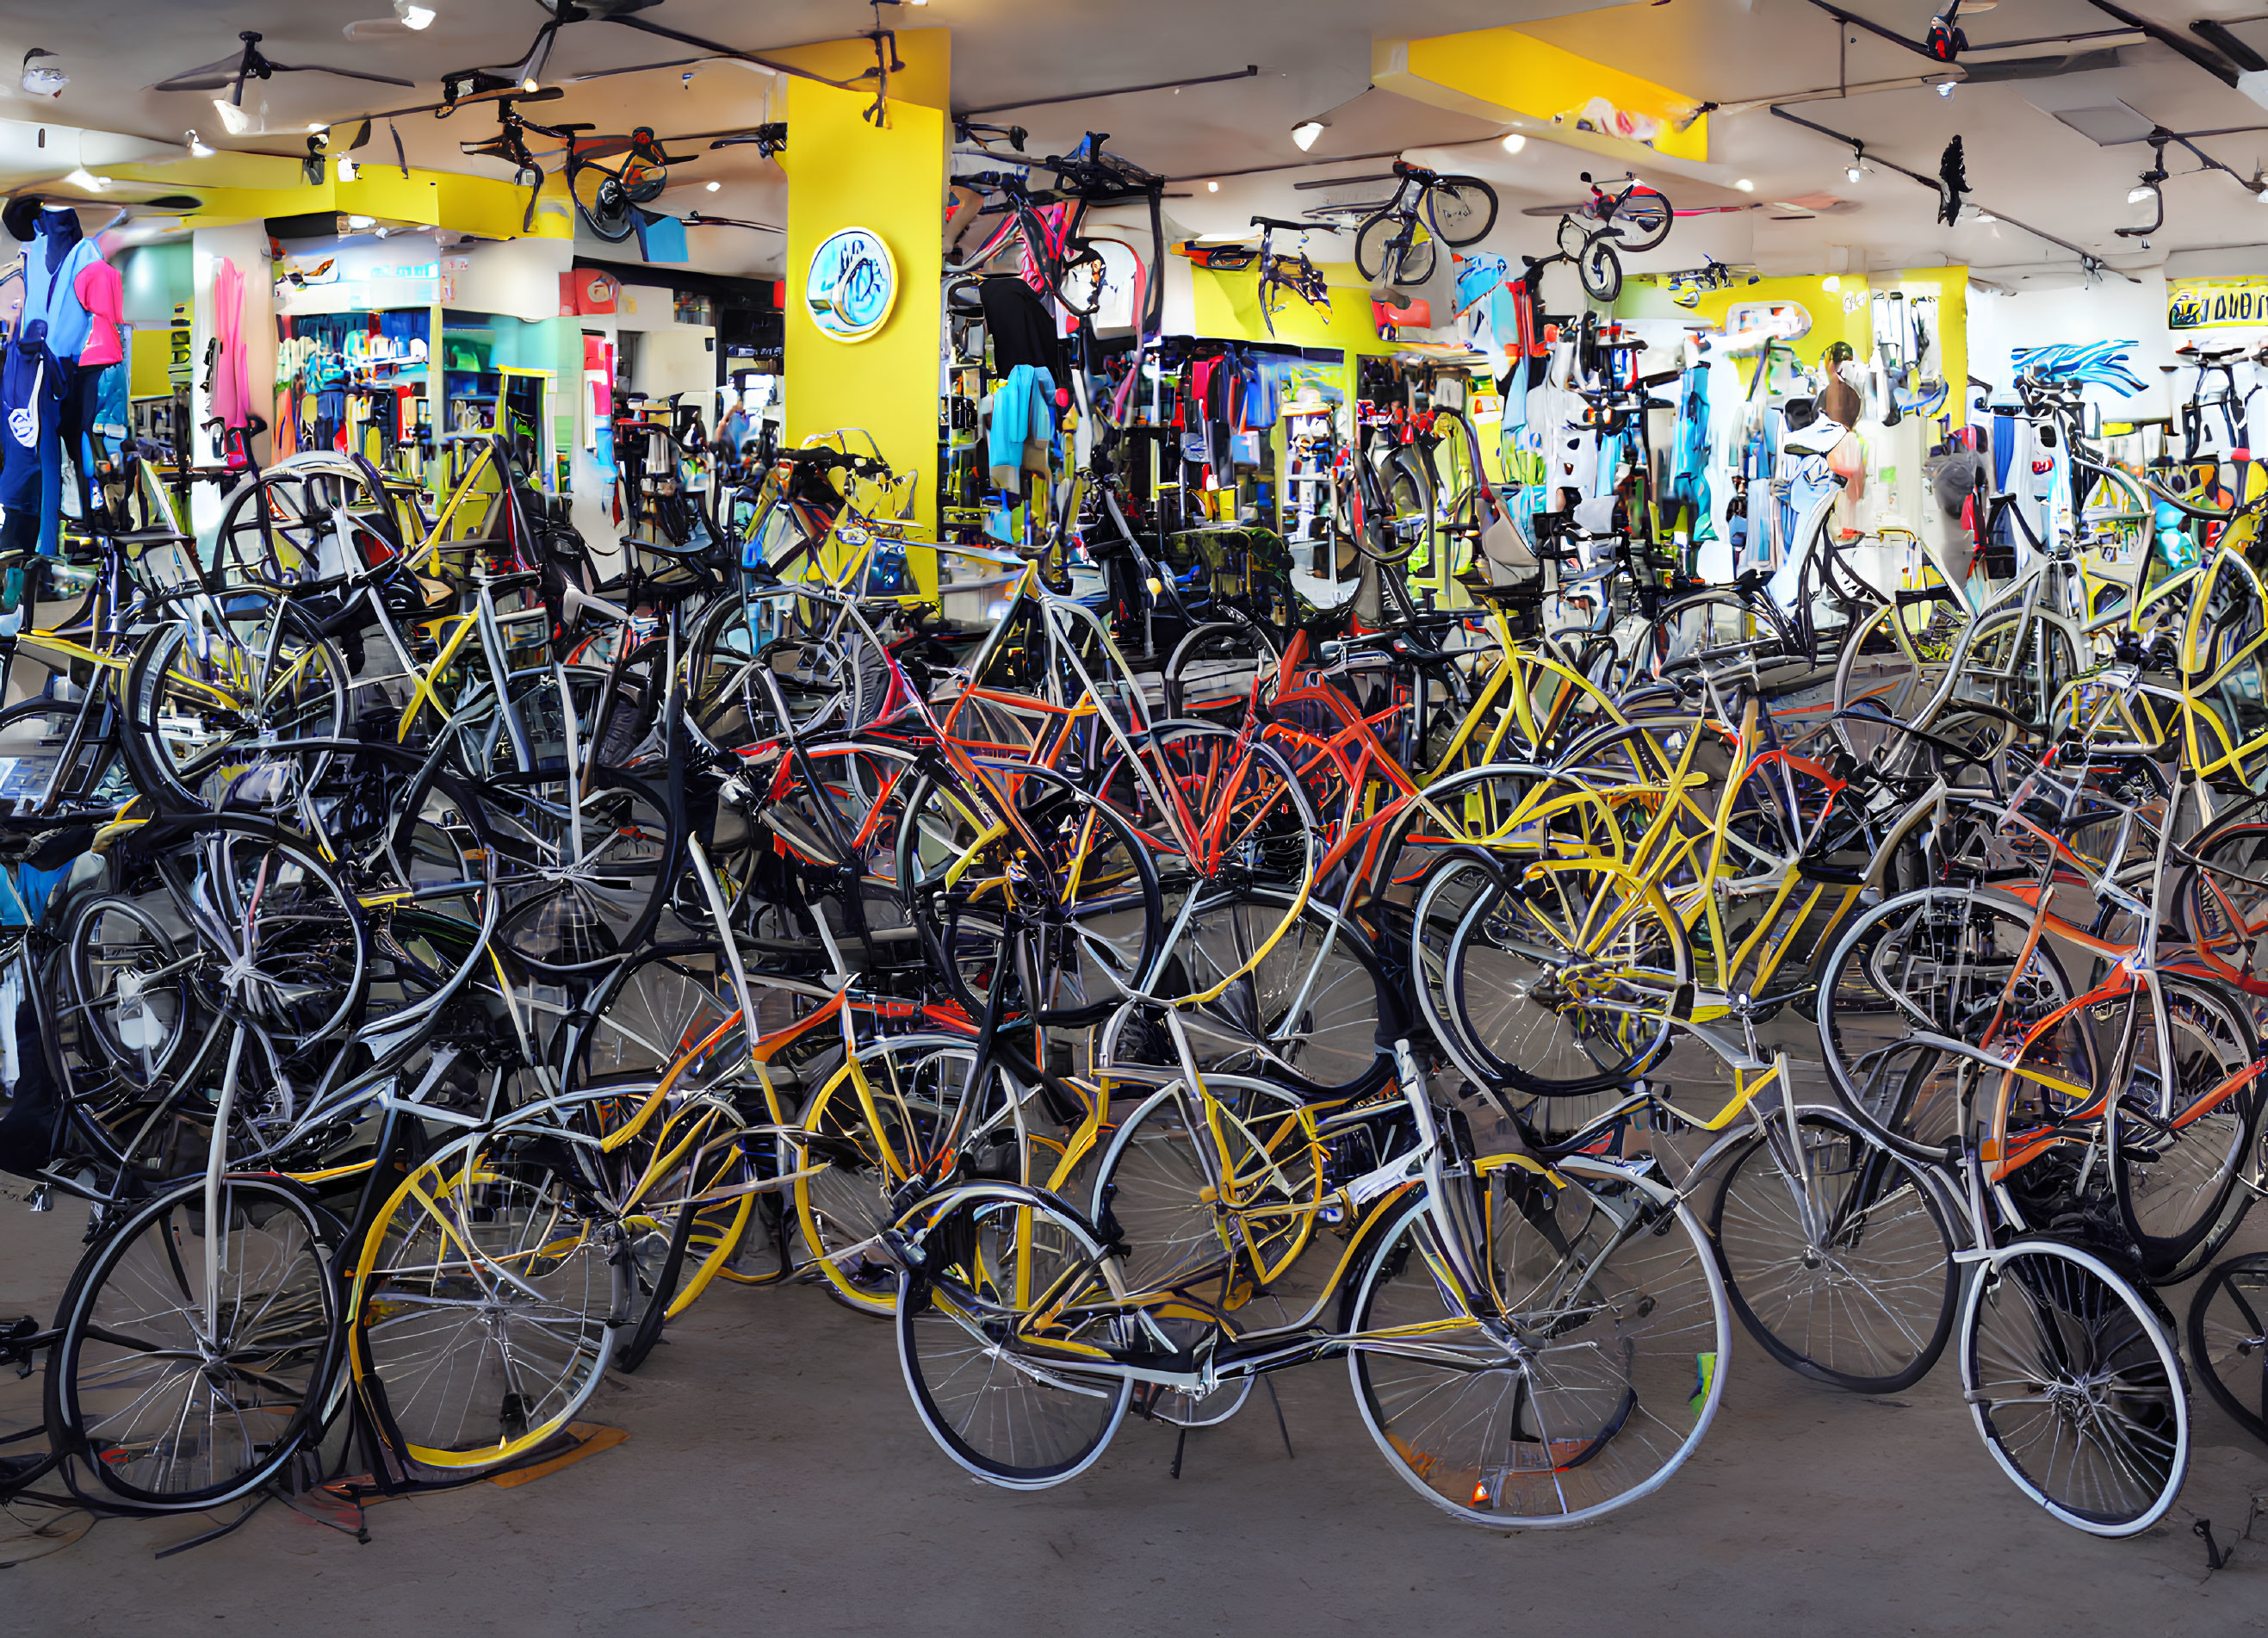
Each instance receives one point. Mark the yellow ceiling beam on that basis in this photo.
(249, 186)
(1502, 75)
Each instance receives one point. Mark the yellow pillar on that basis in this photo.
(845, 173)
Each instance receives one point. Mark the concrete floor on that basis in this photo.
(776, 1477)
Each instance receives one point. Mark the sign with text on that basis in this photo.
(2209, 304)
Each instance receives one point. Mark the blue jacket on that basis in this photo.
(1023, 413)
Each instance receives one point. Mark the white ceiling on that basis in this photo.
(1314, 55)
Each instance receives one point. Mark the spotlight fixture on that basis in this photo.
(1514, 142)
(1746, 185)
(1945, 88)
(712, 186)
(2137, 196)
(1304, 134)
(1213, 188)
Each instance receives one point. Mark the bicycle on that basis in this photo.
(1395, 244)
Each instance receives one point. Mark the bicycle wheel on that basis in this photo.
(1593, 1377)
(585, 864)
(1564, 978)
(35, 734)
(1461, 209)
(647, 1014)
(2222, 893)
(483, 1298)
(605, 204)
(202, 701)
(1644, 218)
(1600, 269)
(1393, 247)
(1157, 1182)
(1312, 1010)
(2228, 1340)
(2016, 664)
(1838, 1257)
(911, 1106)
(2074, 1388)
(1087, 912)
(188, 1373)
(1009, 1299)
(1212, 672)
(2178, 1148)
(1938, 964)
(132, 986)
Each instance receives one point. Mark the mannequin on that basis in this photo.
(51, 400)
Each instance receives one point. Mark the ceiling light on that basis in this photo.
(530, 86)
(197, 148)
(1514, 142)
(1830, 283)
(413, 15)
(1854, 170)
(1945, 88)
(712, 186)
(360, 222)
(1304, 134)
(234, 118)
(2137, 196)
(1213, 188)
(1745, 185)
(81, 178)
(348, 169)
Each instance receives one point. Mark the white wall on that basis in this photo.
(2080, 312)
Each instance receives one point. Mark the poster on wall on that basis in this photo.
(851, 284)
(2209, 304)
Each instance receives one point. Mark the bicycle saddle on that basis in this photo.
(1277, 221)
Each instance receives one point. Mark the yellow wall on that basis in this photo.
(844, 173)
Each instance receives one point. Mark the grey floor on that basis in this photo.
(775, 1479)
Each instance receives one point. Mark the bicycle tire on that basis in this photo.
(2076, 1340)
(1600, 269)
(1610, 1286)
(460, 1367)
(1033, 1424)
(1644, 218)
(1462, 209)
(2228, 1340)
(927, 1109)
(284, 1362)
(1870, 1324)
(2177, 1175)
(1390, 248)
(1579, 917)
(1947, 974)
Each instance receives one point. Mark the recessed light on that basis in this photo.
(1213, 188)
(712, 186)
(1514, 142)
(1746, 185)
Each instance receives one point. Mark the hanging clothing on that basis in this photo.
(101, 294)
(1023, 431)
(1688, 461)
(231, 391)
(1022, 331)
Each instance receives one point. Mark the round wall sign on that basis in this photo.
(852, 284)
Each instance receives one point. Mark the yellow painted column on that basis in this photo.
(844, 173)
